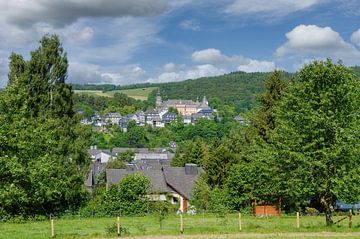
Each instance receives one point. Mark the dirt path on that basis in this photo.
(293, 235)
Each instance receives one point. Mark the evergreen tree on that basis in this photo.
(264, 121)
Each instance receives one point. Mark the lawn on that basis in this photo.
(139, 94)
(195, 225)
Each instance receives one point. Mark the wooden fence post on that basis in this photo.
(52, 229)
(297, 220)
(350, 218)
(181, 224)
(118, 226)
(240, 226)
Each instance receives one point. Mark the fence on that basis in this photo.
(200, 223)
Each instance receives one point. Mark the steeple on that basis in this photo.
(204, 102)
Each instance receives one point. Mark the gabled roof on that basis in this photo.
(113, 115)
(141, 156)
(169, 114)
(156, 177)
(181, 182)
(151, 112)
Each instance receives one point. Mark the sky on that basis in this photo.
(126, 42)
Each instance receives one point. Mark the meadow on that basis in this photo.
(138, 94)
(195, 226)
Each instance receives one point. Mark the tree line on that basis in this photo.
(299, 148)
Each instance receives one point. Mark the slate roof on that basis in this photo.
(142, 156)
(181, 102)
(136, 150)
(151, 112)
(181, 182)
(156, 176)
(95, 169)
(95, 152)
(164, 179)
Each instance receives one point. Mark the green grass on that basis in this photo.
(139, 94)
(193, 225)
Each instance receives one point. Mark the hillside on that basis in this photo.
(136, 93)
(238, 89)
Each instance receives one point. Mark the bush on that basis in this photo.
(311, 211)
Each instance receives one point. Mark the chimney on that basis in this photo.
(129, 167)
(191, 169)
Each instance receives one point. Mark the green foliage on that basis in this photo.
(162, 209)
(317, 139)
(200, 195)
(194, 152)
(265, 120)
(42, 146)
(128, 197)
(218, 164)
(121, 160)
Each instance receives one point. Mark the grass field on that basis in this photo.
(139, 94)
(195, 226)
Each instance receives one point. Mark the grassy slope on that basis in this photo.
(198, 224)
(139, 94)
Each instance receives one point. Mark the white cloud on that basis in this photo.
(355, 37)
(169, 67)
(190, 25)
(210, 55)
(257, 66)
(231, 63)
(265, 8)
(95, 74)
(311, 41)
(61, 13)
(215, 56)
(84, 73)
(191, 73)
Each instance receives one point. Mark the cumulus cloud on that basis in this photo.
(355, 37)
(317, 42)
(94, 74)
(265, 8)
(191, 73)
(61, 13)
(215, 56)
(190, 25)
(257, 66)
(169, 67)
(238, 62)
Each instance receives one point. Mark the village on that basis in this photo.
(165, 113)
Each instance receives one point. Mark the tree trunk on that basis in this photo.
(327, 202)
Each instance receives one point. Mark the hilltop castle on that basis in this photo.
(184, 107)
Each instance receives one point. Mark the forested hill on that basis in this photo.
(238, 89)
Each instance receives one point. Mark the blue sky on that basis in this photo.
(134, 41)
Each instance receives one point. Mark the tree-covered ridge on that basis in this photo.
(237, 89)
